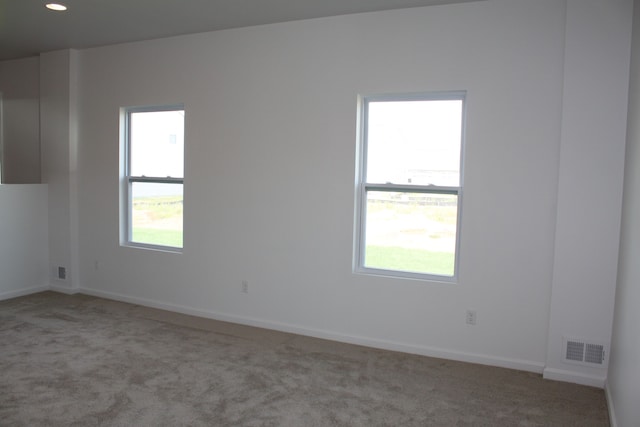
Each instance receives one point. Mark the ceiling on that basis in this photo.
(27, 28)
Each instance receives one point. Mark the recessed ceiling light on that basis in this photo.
(56, 6)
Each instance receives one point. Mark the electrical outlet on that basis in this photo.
(471, 318)
(245, 287)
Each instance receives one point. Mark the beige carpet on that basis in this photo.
(85, 361)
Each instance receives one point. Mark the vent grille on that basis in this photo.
(59, 273)
(580, 351)
(575, 351)
(594, 353)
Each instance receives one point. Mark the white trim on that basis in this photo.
(1, 141)
(610, 406)
(23, 292)
(482, 359)
(64, 289)
(573, 377)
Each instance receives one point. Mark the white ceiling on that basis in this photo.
(27, 28)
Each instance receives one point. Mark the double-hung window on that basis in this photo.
(153, 176)
(410, 185)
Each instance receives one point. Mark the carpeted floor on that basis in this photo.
(85, 361)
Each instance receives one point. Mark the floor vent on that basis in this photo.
(580, 351)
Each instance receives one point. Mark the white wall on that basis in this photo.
(20, 138)
(58, 122)
(623, 386)
(269, 184)
(594, 115)
(23, 240)
(23, 208)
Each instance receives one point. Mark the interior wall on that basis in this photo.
(23, 246)
(270, 173)
(623, 383)
(592, 150)
(59, 124)
(20, 138)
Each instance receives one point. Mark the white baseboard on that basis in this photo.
(522, 365)
(610, 407)
(22, 292)
(64, 289)
(573, 377)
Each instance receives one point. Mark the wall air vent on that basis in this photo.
(594, 353)
(59, 273)
(583, 352)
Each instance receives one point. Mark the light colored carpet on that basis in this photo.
(85, 361)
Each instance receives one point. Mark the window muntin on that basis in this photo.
(410, 185)
(154, 169)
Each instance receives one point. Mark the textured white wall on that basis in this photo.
(624, 374)
(23, 239)
(269, 184)
(20, 142)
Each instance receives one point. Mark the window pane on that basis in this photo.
(414, 142)
(412, 232)
(156, 214)
(157, 144)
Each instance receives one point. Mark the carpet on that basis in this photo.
(85, 361)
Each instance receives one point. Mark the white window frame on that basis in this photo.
(364, 187)
(128, 179)
(1, 140)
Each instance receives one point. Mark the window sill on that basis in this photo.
(155, 248)
(406, 275)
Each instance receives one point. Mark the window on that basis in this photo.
(1, 140)
(153, 176)
(410, 185)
